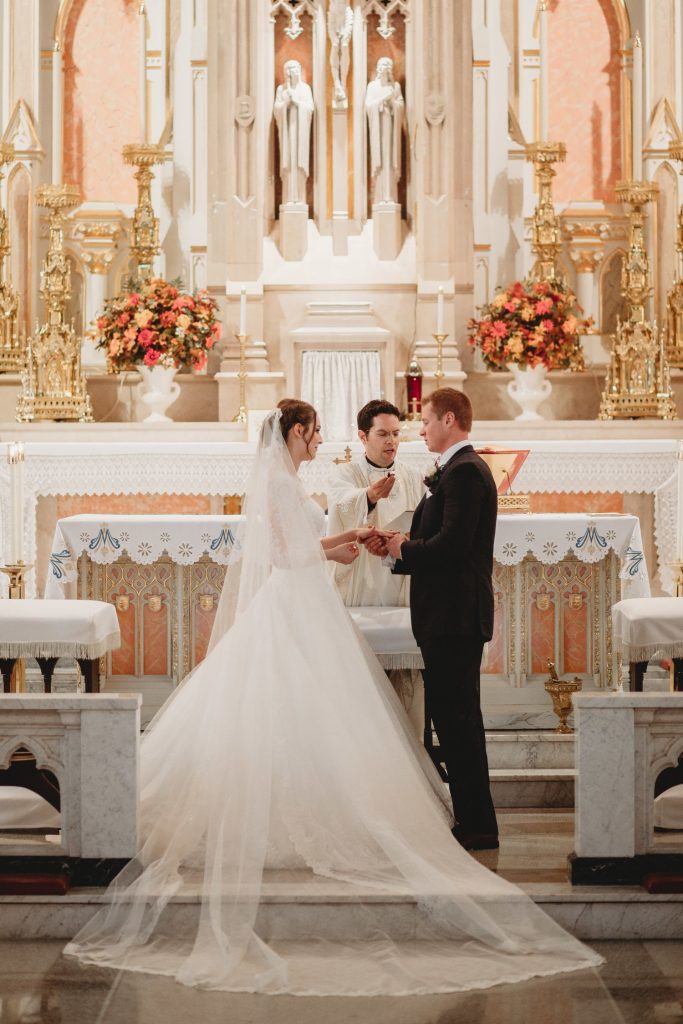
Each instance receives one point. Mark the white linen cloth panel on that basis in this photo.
(548, 537)
(644, 627)
(338, 384)
(57, 628)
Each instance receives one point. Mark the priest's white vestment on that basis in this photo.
(367, 581)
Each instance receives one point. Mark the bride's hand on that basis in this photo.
(344, 554)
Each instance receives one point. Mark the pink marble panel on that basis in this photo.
(575, 631)
(123, 660)
(585, 97)
(565, 502)
(203, 624)
(542, 629)
(495, 651)
(19, 213)
(101, 97)
(133, 504)
(155, 654)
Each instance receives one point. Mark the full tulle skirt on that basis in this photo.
(287, 750)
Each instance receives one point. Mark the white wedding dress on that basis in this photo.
(287, 748)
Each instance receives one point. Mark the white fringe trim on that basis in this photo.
(412, 661)
(647, 651)
(60, 649)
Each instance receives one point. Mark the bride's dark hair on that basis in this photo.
(295, 411)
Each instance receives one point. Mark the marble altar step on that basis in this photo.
(532, 787)
(529, 748)
(300, 906)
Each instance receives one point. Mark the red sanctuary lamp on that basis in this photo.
(414, 389)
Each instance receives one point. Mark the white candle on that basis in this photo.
(57, 116)
(637, 106)
(142, 72)
(439, 311)
(243, 310)
(15, 459)
(679, 504)
(543, 65)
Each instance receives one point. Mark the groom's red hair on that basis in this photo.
(445, 400)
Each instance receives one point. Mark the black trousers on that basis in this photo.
(451, 678)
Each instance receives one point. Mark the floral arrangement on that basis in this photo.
(529, 323)
(155, 323)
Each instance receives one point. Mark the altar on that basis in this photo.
(556, 577)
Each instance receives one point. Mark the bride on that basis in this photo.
(287, 750)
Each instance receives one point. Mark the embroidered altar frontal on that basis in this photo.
(555, 578)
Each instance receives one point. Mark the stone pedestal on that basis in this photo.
(293, 230)
(340, 185)
(386, 230)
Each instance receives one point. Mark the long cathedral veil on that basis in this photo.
(286, 750)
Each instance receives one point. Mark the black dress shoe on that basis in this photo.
(475, 840)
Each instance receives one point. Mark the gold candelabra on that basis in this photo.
(241, 414)
(17, 592)
(674, 299)
(145, 241)
(546, 232)
(53, 384)
(439, 372)
(638, 382)
(12, 341)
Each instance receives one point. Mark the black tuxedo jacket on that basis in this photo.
(449, 556)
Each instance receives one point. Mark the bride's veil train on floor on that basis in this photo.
(286, 749)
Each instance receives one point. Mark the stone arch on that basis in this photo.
(20, 213)
(611, 299)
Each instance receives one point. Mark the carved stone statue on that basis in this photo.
(293, 110)
(340, 30)
(384, 108)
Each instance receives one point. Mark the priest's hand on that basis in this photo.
(381, 488)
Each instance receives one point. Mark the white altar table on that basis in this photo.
(555, 578)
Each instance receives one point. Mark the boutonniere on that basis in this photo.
(433, 477)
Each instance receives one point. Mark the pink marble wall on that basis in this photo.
(19, 212)
(564, 502)
(101, 97)
(156, 661)
(542, 621)
(575, 631)
(123, 659)
(585, 97)
(133, 504)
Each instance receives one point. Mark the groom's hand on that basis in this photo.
(377, 544)
(394, 545)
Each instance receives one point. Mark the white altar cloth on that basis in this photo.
(185, 538)
(388, 632)
(211, 467)
(57, 629)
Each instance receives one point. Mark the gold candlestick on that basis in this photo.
(241, 415)
(674, 300)
(438, 373)
(17, 591)
(145, 241)
(678, 577)
(546, 234)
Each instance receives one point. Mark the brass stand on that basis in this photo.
(674, 300)
(241, 415)
(12, 345)
(145, 242)
(53, 385)
(638, 383)
(546, 234)
(17, 591)
(438, 373)
(561, 691)
(678, 578)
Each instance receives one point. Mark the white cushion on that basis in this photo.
(44, 628)
(645, 626)
(20, 808)
(669, 808)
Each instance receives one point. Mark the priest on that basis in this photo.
(374, 490)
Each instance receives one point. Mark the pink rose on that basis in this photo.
(123, 319)
(133, 299)
(167, 318)
(146, 337)
(543, 306)
(511, 306)
(499, 329)
(102, 322)
(548, 324)
(131, 334)
(151, 357)
(209, 342)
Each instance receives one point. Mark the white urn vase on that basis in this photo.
(528, 388)
(158, 391)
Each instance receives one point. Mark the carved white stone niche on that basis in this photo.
(90, 743)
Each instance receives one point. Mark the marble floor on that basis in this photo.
(640, 983)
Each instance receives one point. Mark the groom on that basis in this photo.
(449, 557)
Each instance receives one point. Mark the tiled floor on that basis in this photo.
(641, 983)
(534, 845)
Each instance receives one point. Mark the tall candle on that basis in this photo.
(637, 127)
(679, 504)
(142, 72)
(15, 459)
(57, 116)
(439, 311)
(543, 73)
(243, 310)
